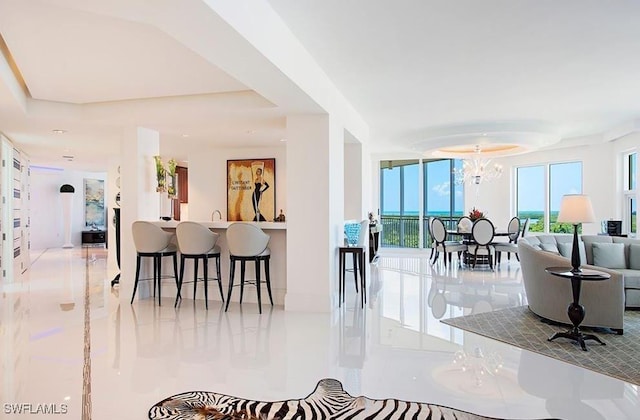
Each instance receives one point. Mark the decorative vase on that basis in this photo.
(352, 233)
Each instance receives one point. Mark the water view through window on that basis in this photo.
(401, 211)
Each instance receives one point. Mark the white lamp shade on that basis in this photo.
(576, 208)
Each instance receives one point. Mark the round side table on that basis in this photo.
(576, 311)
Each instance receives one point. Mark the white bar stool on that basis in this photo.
(248, 242)
(196, 241)
(151, 241)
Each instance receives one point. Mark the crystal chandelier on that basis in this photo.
(477, 169)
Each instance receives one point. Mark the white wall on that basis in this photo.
(46, 205)
(353, 182)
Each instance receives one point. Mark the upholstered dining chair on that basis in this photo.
(247, 242)
(512, 246)
(525, 228)
(464, 223)
(151, 241)
(196, 242)
(482, 235)
(439, 232)
(432, 242)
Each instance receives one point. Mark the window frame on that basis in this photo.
(547, 186)
(628, 193)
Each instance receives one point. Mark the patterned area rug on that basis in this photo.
(522, 328)
(328, 401)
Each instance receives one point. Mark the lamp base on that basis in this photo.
(575, 252)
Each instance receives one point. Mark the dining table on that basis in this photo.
(467, 238)
(468, 235)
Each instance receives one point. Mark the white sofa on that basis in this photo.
(549, 296)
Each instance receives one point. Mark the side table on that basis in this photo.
(576, 311)
(358, 253)
(94, 237)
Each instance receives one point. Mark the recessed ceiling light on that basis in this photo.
(283, 139)
(59, 131)
(185, 135)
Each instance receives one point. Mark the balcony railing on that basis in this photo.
(404, 232)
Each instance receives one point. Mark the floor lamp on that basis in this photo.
(576, 209)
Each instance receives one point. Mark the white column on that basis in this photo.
(315, 202)
(139, 199)
(353, 186)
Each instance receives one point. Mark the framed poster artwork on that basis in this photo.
(94, 213)
(251, 190)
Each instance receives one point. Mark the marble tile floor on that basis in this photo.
(395, 347)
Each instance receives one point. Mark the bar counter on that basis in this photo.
(278, 266)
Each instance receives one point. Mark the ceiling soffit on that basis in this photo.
(67, 55)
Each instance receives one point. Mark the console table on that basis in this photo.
(576, 311)
(94, 237)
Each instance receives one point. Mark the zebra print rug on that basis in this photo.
(328, 401)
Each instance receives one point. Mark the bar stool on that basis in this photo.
(196, 242)
(151, 241)
(247, 242)
(358, 251)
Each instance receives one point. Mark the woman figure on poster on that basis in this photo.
(260, 186)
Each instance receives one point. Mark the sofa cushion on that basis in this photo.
(609, 255)
(551, 247)
(631, 278)
(566, 248)
(589, 240)
(626, 242)
(634, 256)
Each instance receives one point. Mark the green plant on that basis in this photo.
(171, 187)
(160, 174)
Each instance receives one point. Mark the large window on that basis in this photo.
(564, 178)
(539, 192)
(399, 203)
(630, 191)
(442, 197)
(530, 196)
(405, 206)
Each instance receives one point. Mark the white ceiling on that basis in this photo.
(94, 72)
(414, 65)
(412, 69)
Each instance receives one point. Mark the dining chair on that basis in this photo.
(151, 241)
(439, 232)
(464, 223)
(432, 243)
(525, 229)
(482, 235)
(512, 246)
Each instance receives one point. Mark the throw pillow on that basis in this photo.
(608, 255)
(634, 256)
(550, 248)
(566, 248)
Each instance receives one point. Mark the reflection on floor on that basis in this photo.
(396, 347)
